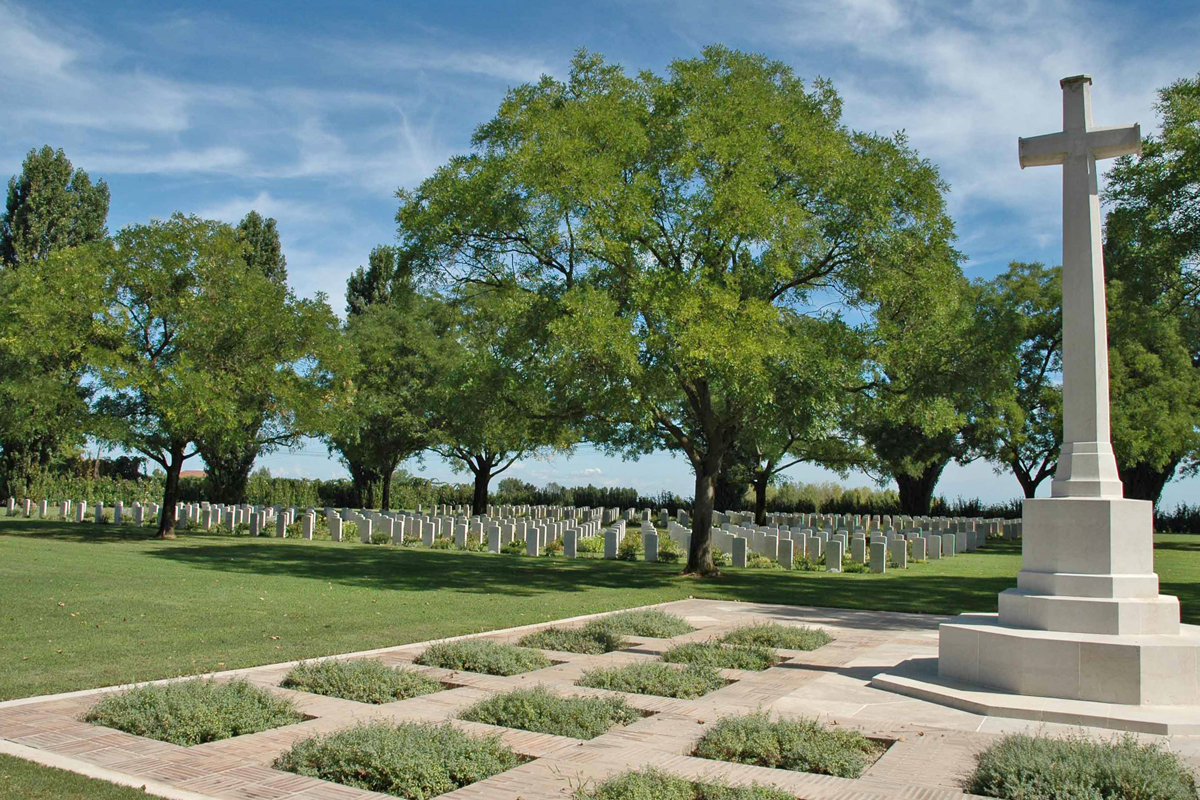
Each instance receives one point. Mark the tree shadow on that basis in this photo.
(81, 532)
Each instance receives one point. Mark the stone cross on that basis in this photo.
(1086, 466)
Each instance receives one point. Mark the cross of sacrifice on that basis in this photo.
(1086, 466)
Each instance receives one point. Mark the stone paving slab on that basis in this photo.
(931, 750)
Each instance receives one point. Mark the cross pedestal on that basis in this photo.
(1086, 624)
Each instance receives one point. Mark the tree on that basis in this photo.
(181, 315)
(675, 231)
(271, 412)
(395, 341)
(374, 285)
(1020, 426)
(50, 206)
(1152, 259)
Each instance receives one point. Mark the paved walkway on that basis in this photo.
(931, 747)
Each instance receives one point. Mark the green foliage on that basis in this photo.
(651, 622)
(591, 545)
(541, 711)
(720, 656)
(409, 760)
(553, 548)
(591, 640)
(442, 543)
(802, 745)
(194, 711)
(851, 566)
(380, 537)
(759, 561)
(669, 551)
(483, 655)
(1022, 767)
(630, 548)
(364, 680)
(772, 634)
(656, 678)
(654, 784)
(514, 548)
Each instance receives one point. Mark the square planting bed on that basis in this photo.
(363, 680)
(194, 711)
(541, 711)
(657, 679)
(484, 656)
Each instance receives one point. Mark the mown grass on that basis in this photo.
(98, 605)
(541, 711)
(25, 780)
(364, 680)
(655, 678)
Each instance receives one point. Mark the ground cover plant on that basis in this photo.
(194, 711)
(803, 745)
(772, 634)
(721, 656)
(590, 640)
(542, 711)
(1021, 767)
(655, 678)
(410, 760)
(25, 780)
(654, 784)
(483, 655)
(652, 622)
(364, 680)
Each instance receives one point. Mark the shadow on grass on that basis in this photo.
(81, 532)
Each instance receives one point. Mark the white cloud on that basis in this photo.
(499, 66)
(149, 160)
(289, 212)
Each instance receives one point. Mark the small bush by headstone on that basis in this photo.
(194, 711)
(554, 548)
(802, 745)
(850, 565)
(589, 640)
(721, 656)
(483, 655)
(655, 678)
(721, 558)
(669, 551)
(759, 561)
(409, 760)
(654, 784)
(541, 711)
(514, 548)
(379, 537)
(364, 680)
(772, 634)
(651, 622)
(442, 543)
(631, 546)
(1023, 767)
(590, 545)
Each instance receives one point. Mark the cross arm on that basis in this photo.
(1043, 151)
(1119, 140)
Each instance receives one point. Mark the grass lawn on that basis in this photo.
(25, 780)
(87, 606)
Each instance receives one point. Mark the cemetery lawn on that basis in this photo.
(87, 606)
(23, 780)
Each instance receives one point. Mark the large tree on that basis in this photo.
(182, 327)
(51, 208)
(676, 231)
(1152, 256)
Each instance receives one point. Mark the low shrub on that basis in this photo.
(669, 551)
(1046, 768)
(483, 655)
(554, 547)
(379, 537)
(365, 680)
(541, 711)
(721, 558)
(589, 640)
(654, 784)
(442, 543)
(759, 561)
(349, 531)
(850, 565)
(473, 545)
(805, 564)
(772, 634)
(802, 745)
(591, 545)
(656, 678)
(514, 548)
(721, 656)
(630, 548)
(409, 760)
(193, 712)
(651, 622)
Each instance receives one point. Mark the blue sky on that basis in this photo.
(314, 113)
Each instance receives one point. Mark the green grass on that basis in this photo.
(411, 760)
(484, 656)
(194, 711)
(654, 784)
(589, 641)
(98, 605)
(772, 634)
(542, 711)
(25, 780)
(364, 680)
(803, 745)
(1020, 767)
(720, 656)
(655, 678)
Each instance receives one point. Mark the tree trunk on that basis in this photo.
(385, 500)
(483, 476)
(228, 473)
(700, 560)
(1143, 482)
(761, 481)
(166, 522)
(916, 492)
(1028, 484)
